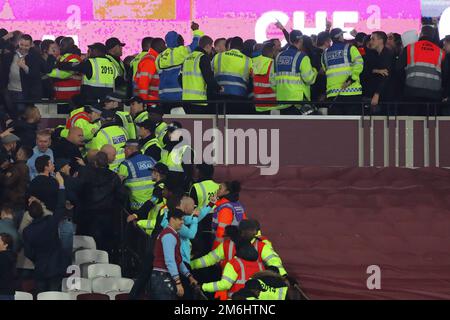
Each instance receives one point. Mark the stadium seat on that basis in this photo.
(93, 296)
(54, 295)
(76, 284)
(20, 295)
(112, 285)
(83, 242)
(104, 270)
(122, 296)
(91, 256)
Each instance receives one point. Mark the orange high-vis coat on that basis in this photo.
(225, 218)
(147, 79)
(262, 89)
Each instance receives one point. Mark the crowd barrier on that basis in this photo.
(318, 140)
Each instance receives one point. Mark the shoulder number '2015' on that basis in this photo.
(107, 70)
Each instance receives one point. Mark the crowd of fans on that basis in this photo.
(81, 177)
(241, 72)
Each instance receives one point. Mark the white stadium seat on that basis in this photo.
(54, 295)
(83, 242)
(20, 295)
(76, 284)
(91, 256)
(112, 286)
(104, 270)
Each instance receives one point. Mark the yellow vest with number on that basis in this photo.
(205, 190)
(103, 73)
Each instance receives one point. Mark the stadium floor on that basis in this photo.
(330, 224)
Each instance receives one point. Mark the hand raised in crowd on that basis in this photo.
(194, 26)
(328, 25)
(60, 179)
(8, 36)
(7, 132)
(81, 162)
(353, 33)
(279, 25)
(180, 290)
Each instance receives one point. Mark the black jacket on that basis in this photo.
(102, 189)
(154, 151)
(26, 132)
(42, 244)
(31, 82)
(64, 149)
(375, 83)
(7, 272)
(45, 189)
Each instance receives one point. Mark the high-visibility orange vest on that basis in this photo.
(147, 78)
(262, 89)
(67, 88)
(424, 66)
(245, 269)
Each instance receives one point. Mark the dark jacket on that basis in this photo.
(375, 83)
(64, 149)
(102, 189)
(42, 244)
(154, 151)
(16, 185)
(31, 82)
(7, 272)
(45, 189)
(26, 132)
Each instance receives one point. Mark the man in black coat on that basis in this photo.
(42, 244)
(69, 148)
(20, 76)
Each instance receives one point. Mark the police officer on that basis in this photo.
(135, 173)
(99, 73)
(294, 75)
(114, 103)
(170, 61)
(149, 144)
(178, 156)
(343, 65)
(114, 47)
(265, 285)
(87, 118)
(110, 133)
(152, 209)
(155, 113)
(232, 70)
(198, 77)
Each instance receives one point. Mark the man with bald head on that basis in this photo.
(111, 152)
(69, 148)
